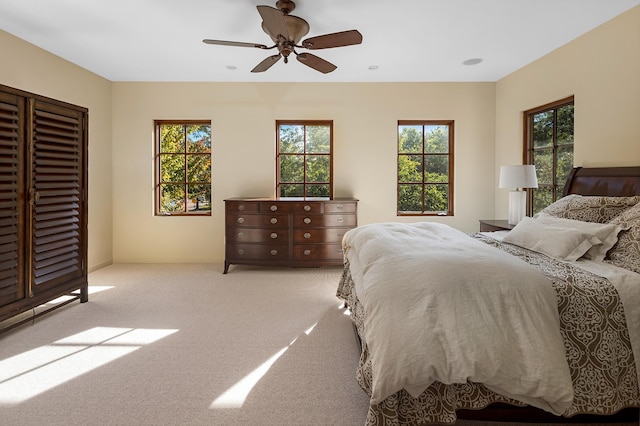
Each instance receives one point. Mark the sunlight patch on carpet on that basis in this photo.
(92, 289)
(31, 373)
(235, 396)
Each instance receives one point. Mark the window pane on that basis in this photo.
(424, 177)
(410, 198)
(318, 190)
(172, 168)
(199, 138)
(410, 168)
(437, 168)
(550, 149)
(317, 168)
(199, 198)
(291, 139)
(542, 197)
(565, 125)
(304, 158)
(199, 168)
(436, 139)
(172, 198)
(409, 139)
(318, 140)
(543, 161)
(543, 129)
(291, 168)
(436, 198)
(565, 164)
(184, 157)
(172, 138)
(291, 190)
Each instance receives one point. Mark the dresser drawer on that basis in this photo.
(291, 207)
(305, 221)
(340, 207)
(320, 252)
(265, 252)
(257, 235)
(275, 207)
(319, 235)
(241, 206)
(258, 220)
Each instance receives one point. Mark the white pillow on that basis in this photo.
(607, 233)
(554, 241)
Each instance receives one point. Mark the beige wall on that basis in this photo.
(34, 70)
(602, 70)
(243, 123)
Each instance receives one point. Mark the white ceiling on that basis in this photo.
(408, 40)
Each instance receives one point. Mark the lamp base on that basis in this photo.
(517, 206)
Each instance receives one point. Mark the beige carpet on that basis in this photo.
(187, 345)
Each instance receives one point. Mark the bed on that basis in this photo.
(541, 324)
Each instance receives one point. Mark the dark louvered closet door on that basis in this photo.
(58, 199)
(11, 192)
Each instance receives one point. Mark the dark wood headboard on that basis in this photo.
(611, 181)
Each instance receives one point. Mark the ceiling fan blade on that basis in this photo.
(273, 22)
(266, 63)
(234, 43)
(343, 38)
(315, 62)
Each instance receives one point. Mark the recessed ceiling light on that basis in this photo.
(373, 67)
(472, 61)
(231, 67)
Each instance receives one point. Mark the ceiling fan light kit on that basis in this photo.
(286, 31)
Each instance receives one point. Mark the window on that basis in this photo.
(183, 167)
(425, 168)
(304, 163)
(549, 146)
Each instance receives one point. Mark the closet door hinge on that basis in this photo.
(34, 196)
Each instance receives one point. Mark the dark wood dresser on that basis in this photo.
(287, 232)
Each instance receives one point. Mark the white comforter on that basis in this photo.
(441, 306)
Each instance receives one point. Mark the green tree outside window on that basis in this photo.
(549, 146)
(304, 160)
(425, 167)
(183, 167)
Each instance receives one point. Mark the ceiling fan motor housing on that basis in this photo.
(286, 6)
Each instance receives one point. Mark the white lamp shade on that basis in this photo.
(518, 176)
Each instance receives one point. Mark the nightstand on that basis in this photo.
(487, 225)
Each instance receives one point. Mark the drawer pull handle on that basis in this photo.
(241, 251)
(307, 220)
(340, 251)
(274, 235)
(340, 207)
(274, 208)
(340, 219)
(240, 234)
(274, 220)
(273, 252)
(307, 235)
(241, 220)
(307, 252)
(307, 207)
(340, 234)
(241, 207)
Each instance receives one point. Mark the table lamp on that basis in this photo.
(518, 177)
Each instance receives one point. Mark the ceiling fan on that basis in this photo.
(286, 31)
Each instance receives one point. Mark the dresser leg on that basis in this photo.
(226, 267)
